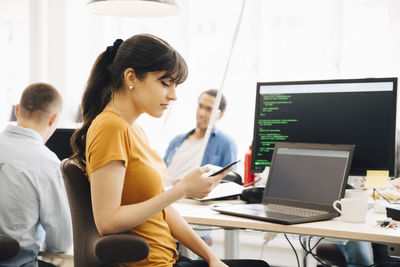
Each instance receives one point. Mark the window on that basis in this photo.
(278, 41)
(14, 63)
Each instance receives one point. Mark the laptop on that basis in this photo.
(303, 182)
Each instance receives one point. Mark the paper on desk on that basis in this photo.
(377, 179)
(224, 190)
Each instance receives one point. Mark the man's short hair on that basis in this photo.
(214, 92)
(39, 99)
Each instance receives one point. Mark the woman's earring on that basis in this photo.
(130, 87)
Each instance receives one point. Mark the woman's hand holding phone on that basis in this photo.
(197, 186)
(225, 168)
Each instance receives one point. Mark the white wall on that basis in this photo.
(279, 40)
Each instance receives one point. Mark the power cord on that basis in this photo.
(319, 260)
(214, 112)
(309, 250)
(268, 236)
(294, 250)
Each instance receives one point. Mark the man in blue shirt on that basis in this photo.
(181, 156)
(182, 153)
(33, 203)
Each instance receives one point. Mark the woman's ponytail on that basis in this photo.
(97, 94)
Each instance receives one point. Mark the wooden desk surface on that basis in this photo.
(200, 214)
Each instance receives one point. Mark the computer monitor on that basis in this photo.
(59, 142)
(348, 111)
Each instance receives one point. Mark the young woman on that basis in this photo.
(132, 77)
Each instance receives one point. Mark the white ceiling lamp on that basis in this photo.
(133, 8)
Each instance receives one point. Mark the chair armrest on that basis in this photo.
(121, 248)
(8, 248)
(331, 253)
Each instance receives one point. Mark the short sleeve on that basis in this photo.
(107, 140)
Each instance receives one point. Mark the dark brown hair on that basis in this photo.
(144, 53)
(214, 92)
(39, 99)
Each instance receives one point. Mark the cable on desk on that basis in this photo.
(294, 250)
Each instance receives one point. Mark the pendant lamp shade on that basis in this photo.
(133, 8)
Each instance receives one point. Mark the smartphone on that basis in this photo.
(224, 168)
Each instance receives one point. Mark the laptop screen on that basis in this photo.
(307, 175)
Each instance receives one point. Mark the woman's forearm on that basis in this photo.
(106, 188)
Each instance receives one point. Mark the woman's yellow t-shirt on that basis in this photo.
(111, 138)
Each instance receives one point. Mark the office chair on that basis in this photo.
(90, 249)
(330, 253)
(8, 248)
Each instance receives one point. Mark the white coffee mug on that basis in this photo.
(355, 193)
(352, 209)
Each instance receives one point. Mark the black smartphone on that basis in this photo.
(224, 168)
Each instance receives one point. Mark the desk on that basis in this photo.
(200, 214)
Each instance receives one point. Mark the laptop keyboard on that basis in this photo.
(294, 210)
